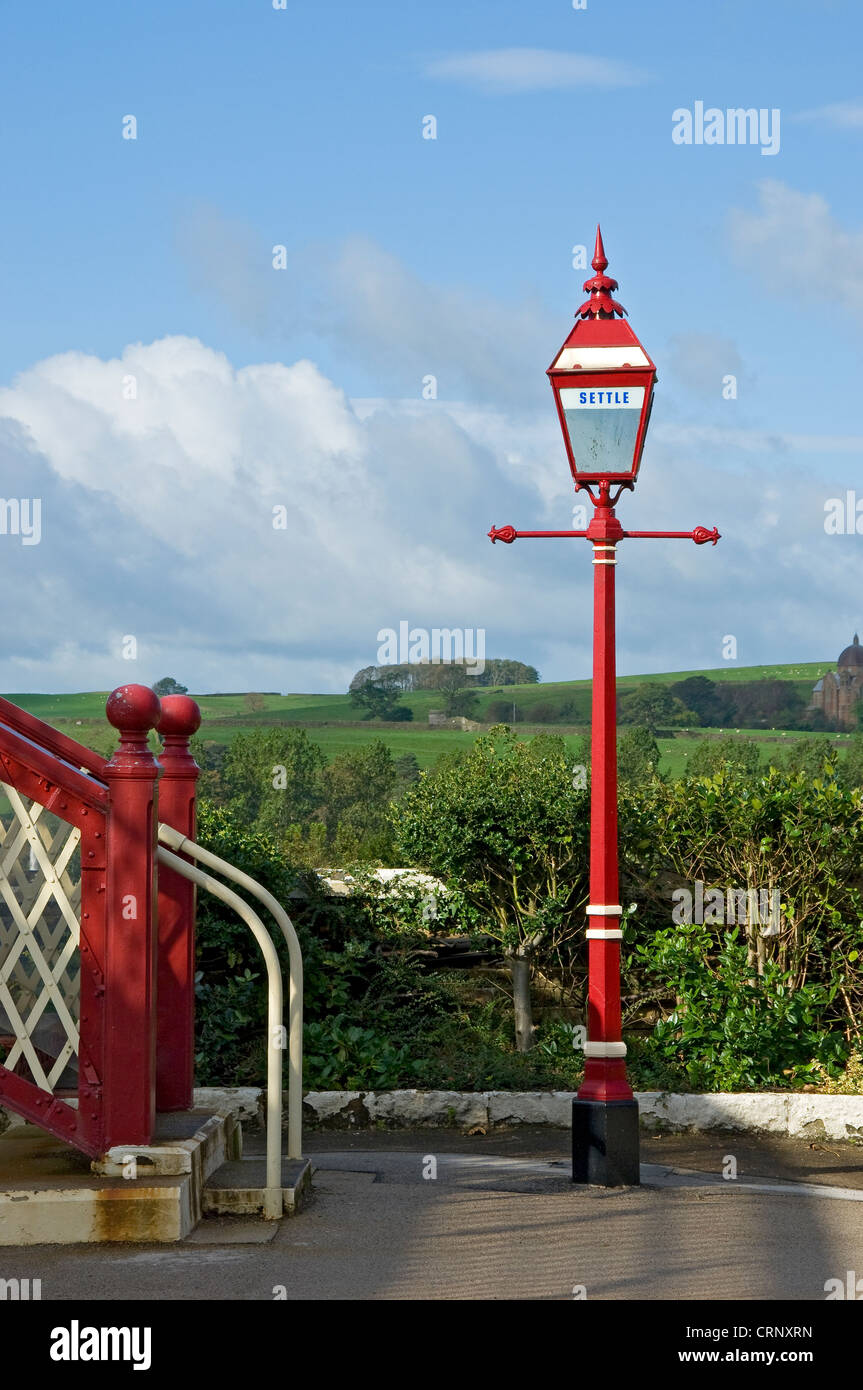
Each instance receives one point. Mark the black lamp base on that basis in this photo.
(605, 1150)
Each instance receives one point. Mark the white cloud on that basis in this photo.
(533, 70)
(157, 517)
(793, 236)
(370, 306)
(839, 115)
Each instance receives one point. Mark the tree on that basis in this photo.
(357, 788)
(706, 699)
(210, 757)
(814, 757)
(503, 825)
(499, 671)
(379, 696)
(272, 778)
(368, 673)
(721, 754)
(637, 757)
(767, 704)
(407, 773)
(168, 686)
(450, 680)
(851, 768)
(654, 707)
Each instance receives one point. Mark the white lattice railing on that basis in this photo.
(40, 895)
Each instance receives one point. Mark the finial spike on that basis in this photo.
(600, 305)
(600, 260)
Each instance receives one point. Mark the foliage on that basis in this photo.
(637, 757)
(813, 757)
(340, 1055)
(168, 686)
(848, 1083)
(732, 1029)
(711, 756)
(505, 712)
(801, 838)
(272, 777)
(721, 1006)
(654, 707)
(503, 823)
(379, 696)
(712, 703)
(768, 703)
(850, 773)
(425, 675)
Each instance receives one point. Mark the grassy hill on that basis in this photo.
(337, 725)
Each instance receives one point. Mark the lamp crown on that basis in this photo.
(600, 305)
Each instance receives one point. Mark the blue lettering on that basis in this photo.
(593, 398)
(626, 398)
(582, 397)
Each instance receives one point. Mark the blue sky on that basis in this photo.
(302, 127)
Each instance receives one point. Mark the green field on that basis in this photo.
(337, 725)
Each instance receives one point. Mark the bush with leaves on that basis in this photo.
(504, 824)
(732, 1029)
(712, 755)
(799, 837)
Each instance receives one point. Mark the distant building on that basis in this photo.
(837, 693)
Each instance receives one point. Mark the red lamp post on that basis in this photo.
(603, 382)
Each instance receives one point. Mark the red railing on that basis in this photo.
(135, 941)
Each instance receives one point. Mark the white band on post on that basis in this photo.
(597, 910)
(604, 1049)
(604, 934)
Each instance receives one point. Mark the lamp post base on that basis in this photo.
(605, 1149)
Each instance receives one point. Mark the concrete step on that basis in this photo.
(50, 1194)
(239, 1185)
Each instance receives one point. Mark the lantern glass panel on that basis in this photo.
(602, 423)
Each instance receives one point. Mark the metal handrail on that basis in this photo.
(182, 845)
(273, 1199)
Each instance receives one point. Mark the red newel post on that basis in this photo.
(130, 939)
(175, 1060)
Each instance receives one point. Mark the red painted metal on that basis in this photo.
(596, 327)
(175, 1061)
(80, 801)
(700, 535)
(130, 947)
(11, 717)
(600, 304)
(604, 1077)
(129, 968)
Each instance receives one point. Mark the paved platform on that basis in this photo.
(497, 1218)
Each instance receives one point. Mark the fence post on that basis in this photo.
(175, 1053)
(130, 939)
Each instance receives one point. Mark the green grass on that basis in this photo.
(338, 726)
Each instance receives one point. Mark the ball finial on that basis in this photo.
(131, 708)
(181, 716)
